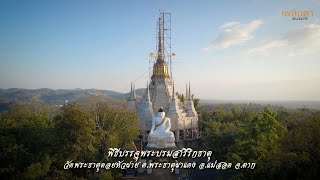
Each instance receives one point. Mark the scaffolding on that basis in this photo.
(164, 26)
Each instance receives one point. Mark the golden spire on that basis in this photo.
(160, 68)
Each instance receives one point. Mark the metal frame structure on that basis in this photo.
(165, 21)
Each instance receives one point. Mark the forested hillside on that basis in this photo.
(284, 144)
(35, 145)
(37, 139)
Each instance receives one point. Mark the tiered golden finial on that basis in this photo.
(160, 68)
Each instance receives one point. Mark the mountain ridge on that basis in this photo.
(59, 96)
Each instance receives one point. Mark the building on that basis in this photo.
(160, 93)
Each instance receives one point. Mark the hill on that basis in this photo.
(12, 96)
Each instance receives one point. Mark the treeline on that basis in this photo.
(283, 144)
(36, 141)
(251, 107)
(37, 144)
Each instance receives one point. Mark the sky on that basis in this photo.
(227, 50)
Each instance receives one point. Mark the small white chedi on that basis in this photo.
(160, 135)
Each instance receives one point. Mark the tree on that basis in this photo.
(241, 136)
(24, 144)
(74, 134)
(117, 126)
(36, 147)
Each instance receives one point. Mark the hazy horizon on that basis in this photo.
(202, 99)
(228, 50)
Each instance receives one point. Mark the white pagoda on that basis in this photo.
(160, 94)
